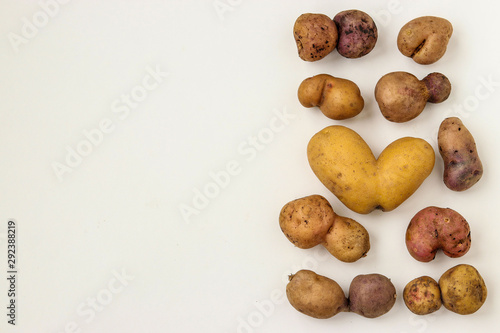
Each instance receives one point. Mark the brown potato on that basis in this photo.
(347, 240)
(435, 228)
(357, 33)
(422, 295)
(425, 39)
(463, 290)
(462, 166)
(337, 98)
(306, 221)
(315, 35)
(315, 295)
(371, 295)
(310, 221)
(402, 96)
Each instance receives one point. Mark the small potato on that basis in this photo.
(315, 295)
(462, 166)
(357, 33)
(306, 221)
(310, 221)
(337, 98)
(371, 295)
(401, 96)
(422, 295)
(315, 35)
(425, 39)
(347, 240)
(435, 228)
(463, 290)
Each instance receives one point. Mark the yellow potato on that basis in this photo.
(345, 164)
(337, 98)
(463, 290)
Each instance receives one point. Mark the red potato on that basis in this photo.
(357, 33)
(462, 166)
(435, 228)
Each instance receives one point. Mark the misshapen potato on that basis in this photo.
(425, 39)
(337, 98)
(371, 295)
(345, 164)
(422, 295)
(315, 295)
(357, 33)
(315, 35)
(402, 96)
(310, 221)
(462, 166)
(435, 228)
(463, 290)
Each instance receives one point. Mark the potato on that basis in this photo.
(371, 295)
(315, 295)
(310, 221)
(347, 240)
(422, 295)
(357, 33)
(306, 221)
(463, 290)
(462, 166)
(425, 39)
(337, 98)
(315, 35)
(345, 164)
(402, 96)
(435, 228)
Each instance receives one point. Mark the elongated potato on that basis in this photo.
(315, 295)
(462, 166)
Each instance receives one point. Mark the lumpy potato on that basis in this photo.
(425, 39)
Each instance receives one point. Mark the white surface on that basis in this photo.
(230, 72)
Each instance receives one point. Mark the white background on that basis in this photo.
(232, 68)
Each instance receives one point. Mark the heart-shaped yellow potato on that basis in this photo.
(345, 164)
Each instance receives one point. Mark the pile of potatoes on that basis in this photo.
(363, 182)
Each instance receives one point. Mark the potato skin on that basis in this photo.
(345, 164)
(306, 221)
(357, 33)
(310, 221)
(463, 290)
(401, 96)
(316, 36)
(315, 295)
(462, 166)
(371, 295)
(422, 295)
(337, 98)
(425, 39)
(347, 240)
(435, 228)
